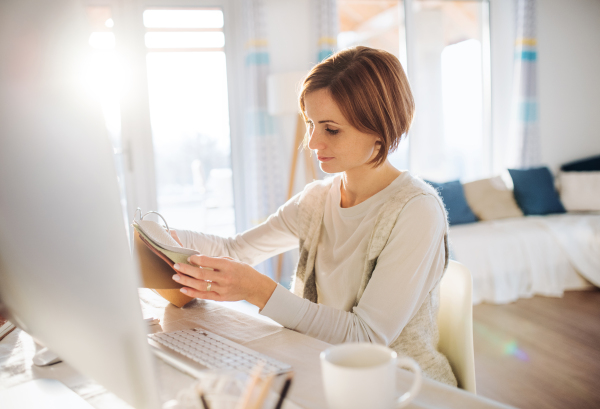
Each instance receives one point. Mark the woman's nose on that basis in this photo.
(315, 140)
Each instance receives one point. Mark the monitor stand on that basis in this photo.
(42, 394)
(44, 357)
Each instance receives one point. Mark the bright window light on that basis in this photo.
(190, 133)
(450, 136)
(183, 18)
(463, 106)
(185, 40)
(190, 118)
(102, 40)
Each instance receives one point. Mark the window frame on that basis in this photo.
(136, 132)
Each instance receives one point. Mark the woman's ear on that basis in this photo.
(378, 144)
(376, 148)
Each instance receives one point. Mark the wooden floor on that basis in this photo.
(541, 352)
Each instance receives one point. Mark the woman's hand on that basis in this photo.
(231, 280)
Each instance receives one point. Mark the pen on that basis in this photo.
(284, 390)
(202, 398)
(204, 402)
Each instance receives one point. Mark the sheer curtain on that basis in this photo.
(264, 189)
(324, 15)
(524, 148)
(266, 164)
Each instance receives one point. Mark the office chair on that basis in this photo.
(455, 322)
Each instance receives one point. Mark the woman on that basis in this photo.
(372, 239)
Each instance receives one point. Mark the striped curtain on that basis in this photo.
(525, 149)
(325, 27)
(263, 166)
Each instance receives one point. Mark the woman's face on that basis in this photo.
(339, 146)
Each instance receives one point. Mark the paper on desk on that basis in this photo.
(213, 317)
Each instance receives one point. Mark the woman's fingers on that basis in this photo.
(196, 272)
(205, 295)
(199, 285)
(216, 263)
(231, 280)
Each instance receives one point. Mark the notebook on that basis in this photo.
(157, 252)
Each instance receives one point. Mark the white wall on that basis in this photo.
(569, 79)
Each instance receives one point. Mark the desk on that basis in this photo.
(262, 335)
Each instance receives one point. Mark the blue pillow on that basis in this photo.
(535, 192)
(583, 165)
(453, 195)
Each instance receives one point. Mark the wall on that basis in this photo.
(569, 79)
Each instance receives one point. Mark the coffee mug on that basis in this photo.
(363, 375)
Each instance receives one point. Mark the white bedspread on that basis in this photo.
(579, 237)
(521, 257)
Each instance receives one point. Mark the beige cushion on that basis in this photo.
(580, 190)
(490, 199)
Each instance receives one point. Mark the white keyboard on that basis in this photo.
(215, 352)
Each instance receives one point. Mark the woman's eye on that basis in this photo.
(332, 131)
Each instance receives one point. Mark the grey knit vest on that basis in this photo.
(419, 338)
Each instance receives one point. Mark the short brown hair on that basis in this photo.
(371, 90)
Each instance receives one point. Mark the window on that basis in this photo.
(449, 73)
(444, 46)
(189, 114)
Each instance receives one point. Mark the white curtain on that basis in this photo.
(265, 163)
(525, 149)
(324, 15)
(263, 166)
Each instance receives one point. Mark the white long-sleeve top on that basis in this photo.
(408, 268)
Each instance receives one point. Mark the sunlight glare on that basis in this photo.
(463, 106)
(185, 40)
(102, 40)
(183, 18)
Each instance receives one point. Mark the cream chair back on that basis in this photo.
(455, 322)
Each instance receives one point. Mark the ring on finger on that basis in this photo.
(208, 285)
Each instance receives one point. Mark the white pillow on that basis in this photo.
(580, 191)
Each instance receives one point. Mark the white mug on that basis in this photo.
(363, 375)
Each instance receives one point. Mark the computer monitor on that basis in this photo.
(66, 274)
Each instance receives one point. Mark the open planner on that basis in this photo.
(157, 252)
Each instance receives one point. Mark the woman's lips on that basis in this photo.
(324, 158)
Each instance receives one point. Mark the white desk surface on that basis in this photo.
(253, 331)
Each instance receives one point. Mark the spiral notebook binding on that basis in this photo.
(139, 210)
